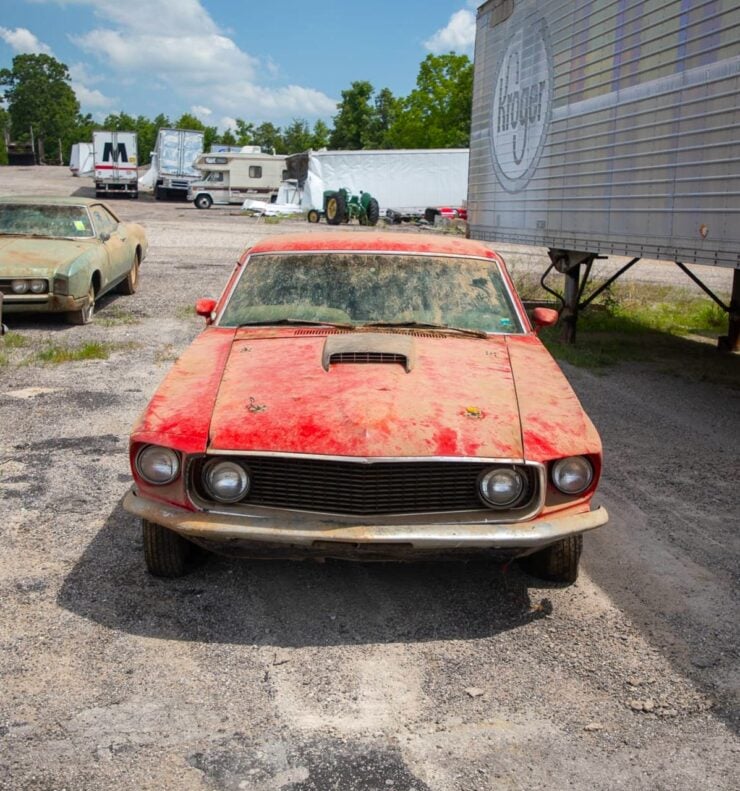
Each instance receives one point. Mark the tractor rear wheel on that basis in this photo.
(373, 212)
(336, 209)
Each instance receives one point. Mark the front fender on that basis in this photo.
(79, 272)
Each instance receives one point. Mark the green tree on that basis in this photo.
(244, 133)
(320, 138)
(297, 136)
(385, 112)
(228, 138)
(4, 127)
(269, 138)
(352, 122)
(436, 114)
(39, 96)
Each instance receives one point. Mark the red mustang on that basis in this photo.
(366, 395)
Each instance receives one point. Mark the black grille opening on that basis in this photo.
(360, 489)
(368, 357)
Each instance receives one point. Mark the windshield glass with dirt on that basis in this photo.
(57, 222)
(368, 288)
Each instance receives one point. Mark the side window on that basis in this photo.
(111, 219)
(104, 223)
(255, 171)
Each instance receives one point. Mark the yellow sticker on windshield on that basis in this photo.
(79, 225)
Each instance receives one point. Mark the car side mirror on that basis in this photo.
(544, 317)
(205, 307)
(104, 236)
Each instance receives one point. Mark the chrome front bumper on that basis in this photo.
(453, 532)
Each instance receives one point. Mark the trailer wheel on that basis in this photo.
(203, 202)
(373, 212)
(312, 216)
(336, 209)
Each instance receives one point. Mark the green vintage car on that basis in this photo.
(60, 254)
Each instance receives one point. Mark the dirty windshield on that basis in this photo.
(39, 220)
(356, 289)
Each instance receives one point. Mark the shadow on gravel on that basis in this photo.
(55, 322)
(289, 603)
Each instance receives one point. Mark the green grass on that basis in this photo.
(185, 312)
(114, 317)
(672, 328)
(58, 353)
(14, 341)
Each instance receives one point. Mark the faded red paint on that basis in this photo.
(367, 410)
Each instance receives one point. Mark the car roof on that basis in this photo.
(47, 200)
(398, 242)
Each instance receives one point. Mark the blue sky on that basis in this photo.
(223, 59)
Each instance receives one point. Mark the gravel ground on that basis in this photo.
(303, 676)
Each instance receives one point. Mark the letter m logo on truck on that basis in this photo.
(116, 155)
(522, 102)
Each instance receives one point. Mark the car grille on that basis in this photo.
(362, 489)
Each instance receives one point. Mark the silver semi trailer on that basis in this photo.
(609, 128)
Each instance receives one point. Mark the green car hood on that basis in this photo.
(32, 257)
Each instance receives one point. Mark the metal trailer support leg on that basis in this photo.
(731, 342)
(569, 262)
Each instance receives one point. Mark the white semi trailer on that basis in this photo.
(116, 164)
(172, 167)
(606, 128)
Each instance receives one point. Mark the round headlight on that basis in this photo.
(19, 286)
(572, 475)
(501, 486)
(226, 481)
(38, 286)
(158, 465)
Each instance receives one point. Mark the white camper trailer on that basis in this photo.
(116, 164)
(233, 177)
(81, 159)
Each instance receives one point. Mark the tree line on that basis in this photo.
(40, 103)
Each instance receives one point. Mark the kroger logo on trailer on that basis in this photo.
(522, 102)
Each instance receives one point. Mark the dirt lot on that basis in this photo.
(298, 676)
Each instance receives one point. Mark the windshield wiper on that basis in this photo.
(308, 322)
(428, 326)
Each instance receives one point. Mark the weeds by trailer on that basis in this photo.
(603, 128)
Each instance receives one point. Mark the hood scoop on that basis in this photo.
(369, 347)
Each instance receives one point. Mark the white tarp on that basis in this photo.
(403, 180)
(271, 209)
(82, 160)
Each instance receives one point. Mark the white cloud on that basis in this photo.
(91, 98)
(176, 42)
(227, 122)
(22, 40)
(201, 111)
(458, 35)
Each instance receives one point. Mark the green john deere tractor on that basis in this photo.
(340, 206)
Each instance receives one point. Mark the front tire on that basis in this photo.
(203, 202)
(336, 209)
(313, 216)
(166, 553)
(557, 563)
(131, 283)
(85, 314)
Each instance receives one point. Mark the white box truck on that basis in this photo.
(81, 160)
(173, 158)
(232, 177)
(116, 164)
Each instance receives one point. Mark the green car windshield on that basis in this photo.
(369, 288)
(57, 222)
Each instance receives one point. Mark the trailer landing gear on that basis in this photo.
(569, 264)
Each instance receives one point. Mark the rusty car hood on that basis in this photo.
(32, 256)
(458, 399)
